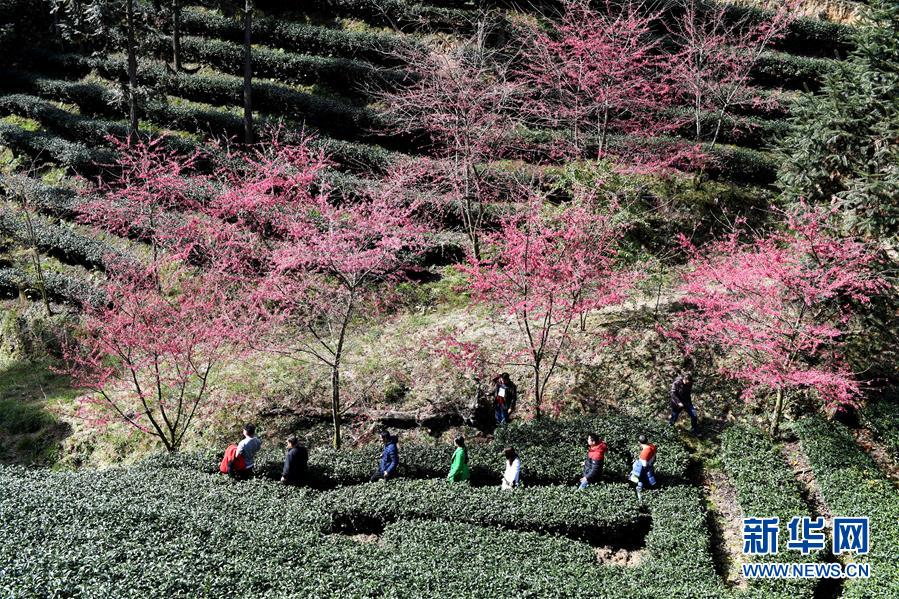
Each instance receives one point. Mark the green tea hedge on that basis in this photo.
(53, 201)
(160, 530)
(852, 485)
(882, 417)
(379, 48)
(406, 16)
(604, 512)
(43, 146)
(344, 75)
(61, 288)
(766, 487)
(59, 241)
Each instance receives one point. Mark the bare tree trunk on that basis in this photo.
(132, 73)
(538, 391)
(36, 260)
(335, 403)
(777, 413)
(247, 72)
(176, 35)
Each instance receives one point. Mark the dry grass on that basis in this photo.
(838, 11)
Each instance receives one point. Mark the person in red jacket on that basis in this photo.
(596, 455)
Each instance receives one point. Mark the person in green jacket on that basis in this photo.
(459, 470)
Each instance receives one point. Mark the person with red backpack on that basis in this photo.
(231, 461)
(243, 461)
(593, 464)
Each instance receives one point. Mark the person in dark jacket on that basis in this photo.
(294, 462)
(505, 396)
(593, 463)
(681, 399)
(390, 459)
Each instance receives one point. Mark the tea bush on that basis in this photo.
(343, 75)
(852, 485)
(53, 201)
(159, 530)
(60, 287)
(298, 37)
(765, 488)
(882, 417)
(74, 156)
(609, 512)
(58, 241)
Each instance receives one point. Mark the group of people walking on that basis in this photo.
(239, 459)
(642, 475)
(239, 462)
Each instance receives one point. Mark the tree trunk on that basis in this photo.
(36, 260)
(132, 73)
(777, 413)
(247, 72)
(335, 404)
(176, 35)
(538, 392)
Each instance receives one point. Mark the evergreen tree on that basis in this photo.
(844, 145)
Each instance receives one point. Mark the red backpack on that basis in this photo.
(236, 461)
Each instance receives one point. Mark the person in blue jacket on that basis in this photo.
(390, 459)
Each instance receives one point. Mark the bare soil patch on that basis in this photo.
(619, 557)
(370, 539)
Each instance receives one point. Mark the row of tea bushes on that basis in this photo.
(603, 512)
(58, 241)
(852, 485)
(303, 38)
(882, 417)
(766, 487)
(154, 531)
(60, 287)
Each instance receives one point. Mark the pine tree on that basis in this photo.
(844, 145)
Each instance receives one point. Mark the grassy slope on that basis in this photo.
(30, 396)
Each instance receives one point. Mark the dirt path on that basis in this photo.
(726, 524)
(882, 456)
(827, 588)
(808, 486)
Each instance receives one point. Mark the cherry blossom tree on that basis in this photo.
(462, 101)
(334, 266)
(313, 263)
(779, 306)
(715, 58)
(599, 72)
(546, 268)
(141, 194)
(148, 355)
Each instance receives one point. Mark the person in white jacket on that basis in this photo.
(513, 469)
